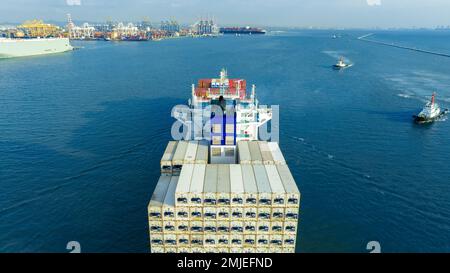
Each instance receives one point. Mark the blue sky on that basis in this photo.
(299, 13)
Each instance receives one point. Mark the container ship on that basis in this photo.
(223, 190)
(242, 30)
(10, 48)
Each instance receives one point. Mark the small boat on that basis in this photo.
(430, 112)
(341, 64)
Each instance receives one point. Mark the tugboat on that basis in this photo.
(341, 64)
(430, 112)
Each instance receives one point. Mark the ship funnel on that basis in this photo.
(433, 97)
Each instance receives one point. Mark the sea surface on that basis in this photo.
(82, 133)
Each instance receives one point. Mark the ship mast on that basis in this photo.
(433, 98)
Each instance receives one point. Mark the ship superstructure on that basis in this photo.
(222, 189)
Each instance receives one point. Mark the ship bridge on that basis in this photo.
(239, 119)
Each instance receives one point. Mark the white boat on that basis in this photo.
(341, 64)
(430, 112)
(10, 48)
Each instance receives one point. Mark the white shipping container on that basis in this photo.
(264, 189)
(184, 184)
(170, 240)
(266, 153)
(277, 214)
(262, 240)
(291, 214)
(248, 250)
(249, 240)
(235, 249)
(155, 205)
(250, 213)
(244, 153)
(197, 183)
(262, 250)
(156, 240)
(237, 213)
(250, 227)
(223, 250)
(182, 227)
(292, 192)
(196, 227)
(264, 213)
(170, 249)
(198, 250)
(183, 240)
(276, 250)
(169, 226)
(290, 227)
(288, 249)
(277, 227)
(289, 240)
(191, 152)
(236, 185)
(210, 213)
(210, 227)
(223, 185)
(223, 240)
(223, 227)
(250, 187)
(263, 227)
(236, 227)
(178, 157)
(182, 213)
(278, 192)
(155, 226)
(168, 208)
(210, 250)
(276, 240)
(197, 241)
(157, 249)
(166, 160)
(210, 240)
(184, 250)
(237, 240)
(223, 213)
(196, 213)
(255, 152)
(277, 155)
(210, 185)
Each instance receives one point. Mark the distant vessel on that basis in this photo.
(10, 48)
(242, 30)
(430, 112)
(341, 64)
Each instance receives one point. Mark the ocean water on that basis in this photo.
(81, 135)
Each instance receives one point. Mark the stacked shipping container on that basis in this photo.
(250, 207)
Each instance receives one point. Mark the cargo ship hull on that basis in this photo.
(11, 48)
(240, 30)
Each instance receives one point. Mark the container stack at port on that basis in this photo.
(248, 207)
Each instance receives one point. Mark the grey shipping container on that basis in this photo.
(184, 184)
(168, 208)
(178, 157)
(166, 160)
(292, 191)
(250, 187)
(266, 153)
(255, 152)
(202, 153)
(244, 153)
(210, 185)
(223, 185)
(155, 205)
(264, 189)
